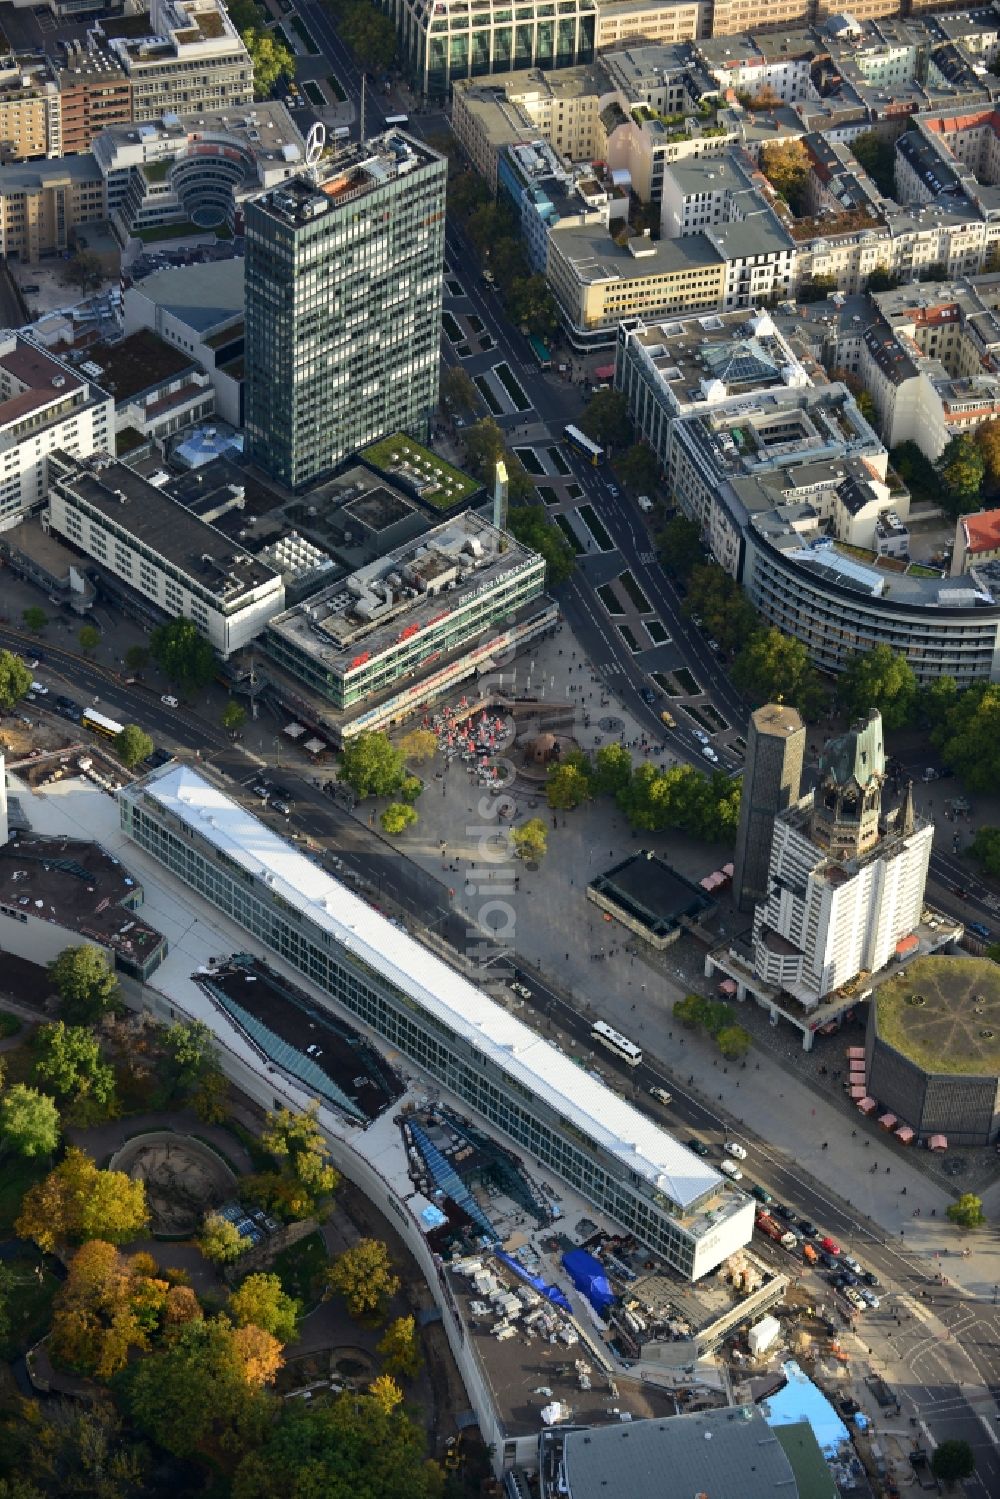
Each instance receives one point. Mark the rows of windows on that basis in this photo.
(458, 1065)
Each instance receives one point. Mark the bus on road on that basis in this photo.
(540, 350)
(616, 1042)
(99, 724)
(592, 451)
(396, 120)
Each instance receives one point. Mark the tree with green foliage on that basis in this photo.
(396, 818)
(183, 654)
(936, 702)
(773, 666)
(457, 389)
(612, 770)
(76, 1201)
(681, 797)
(85, 983)
(364, 1276)
(531, 526)
(372, 765)
(353, 1445)
(734, 1042)
(969, 738)
(15, 679)
(720, 603)
(86, 270)
(967, 1212)
(419, 745)
(68, 1058)
(466, 193)
(133, 745)
(531, 305)
(985, 849)
(605, 419)
(35, 619)
(305, 1177)
(411, 788)
(961, 469)
(879, 678)
(987, 436)
(638, 467)
(530, 840)
(73, 1449)
(680, 547)
(916, 471)
(221, 1241)
(203, 1389)
(89, 637)
(369, 33)
(878, 157)
(952, 1461)
(260, 1300)
(691, 1011)
(233, 717)
(786, 165)
(567, 786)
(29, 1121)
(398, 1348)
(273, 62)
(137, 657)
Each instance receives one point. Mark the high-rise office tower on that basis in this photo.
(772, 779)
(343, 306)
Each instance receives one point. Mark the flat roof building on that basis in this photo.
(343, 306)
(650, 898)
(615, 1156)
(431, 599)
(193, 59)
(171, 562)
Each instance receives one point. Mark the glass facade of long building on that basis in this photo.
(343, 306)
(711, 1230)
(472, 38)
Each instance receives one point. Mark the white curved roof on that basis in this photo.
(612, 1123)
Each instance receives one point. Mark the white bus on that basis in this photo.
(98, 724)
(616, 1042)
(394, 120)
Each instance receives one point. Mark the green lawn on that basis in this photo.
(400, 454)
(29, 1305)
(301, 1269)
(167, 231)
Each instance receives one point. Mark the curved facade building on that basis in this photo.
(838, 606)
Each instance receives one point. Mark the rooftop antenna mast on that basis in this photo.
(361, 119)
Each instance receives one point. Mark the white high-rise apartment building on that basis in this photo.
(845, 884)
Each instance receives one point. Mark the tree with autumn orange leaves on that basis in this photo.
(77, 1201)
(108, 1307)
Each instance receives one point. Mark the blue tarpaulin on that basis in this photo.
(587, 1274)
(551, 1293)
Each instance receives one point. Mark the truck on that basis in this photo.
(774, 1230)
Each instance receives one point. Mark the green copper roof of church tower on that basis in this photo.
(858, 755)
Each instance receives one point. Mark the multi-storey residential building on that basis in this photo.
(438, 600)
(542, 190)
(443, 43)
(44, 405)
(171, 562)
(94, 92)
(42, 203)
(353, 958)
(29, 109)
(343, 314)
(844, 885)
(977, 541)
(192, 60)
(598, 282)
(620, 23)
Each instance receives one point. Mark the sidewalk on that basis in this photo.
(556, 929)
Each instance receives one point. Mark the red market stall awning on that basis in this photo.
(938, 1142)
(728, 986)
(904, 1134)
(857, 1092)
(857, 1065)
(867, 1105)
(854, 1052)
(888, 1121)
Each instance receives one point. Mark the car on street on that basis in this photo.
(613, 491)
(261, 789)
(730, 1169)
(280, 806)
(39, 689)
(67, 708)
(713, 645)
(870, 1278)
(734, 1148)
(809, 1229)
(851, 1263)
(701, 736)
(851, 1295)
(669, 719)
(869, 1298)
(169, 700)
(829, 1261)
(661, 1095)
(647, 694)
(698, 1146)
(830, 1245)
(781, 1210)
(762, 1195)
(709, 754)
(979, 930)
(521, 990)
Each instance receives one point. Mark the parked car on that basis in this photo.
(809, 1229)
(851, 1263)
(280, 806)
(736, 1149)
(647, 694)
(521, 990)
(730, 1169)
(870, 1278)
(780, 1210)
(713, 645)
(661, 1095)
(978, 929)
(761, 1194)
(698, 1146)
(701, 736)
(39, 689)
(169, 700)
(869, 1298)
(830, 1245)
(854, 1298)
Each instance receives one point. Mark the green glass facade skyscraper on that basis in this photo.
(343, 306)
